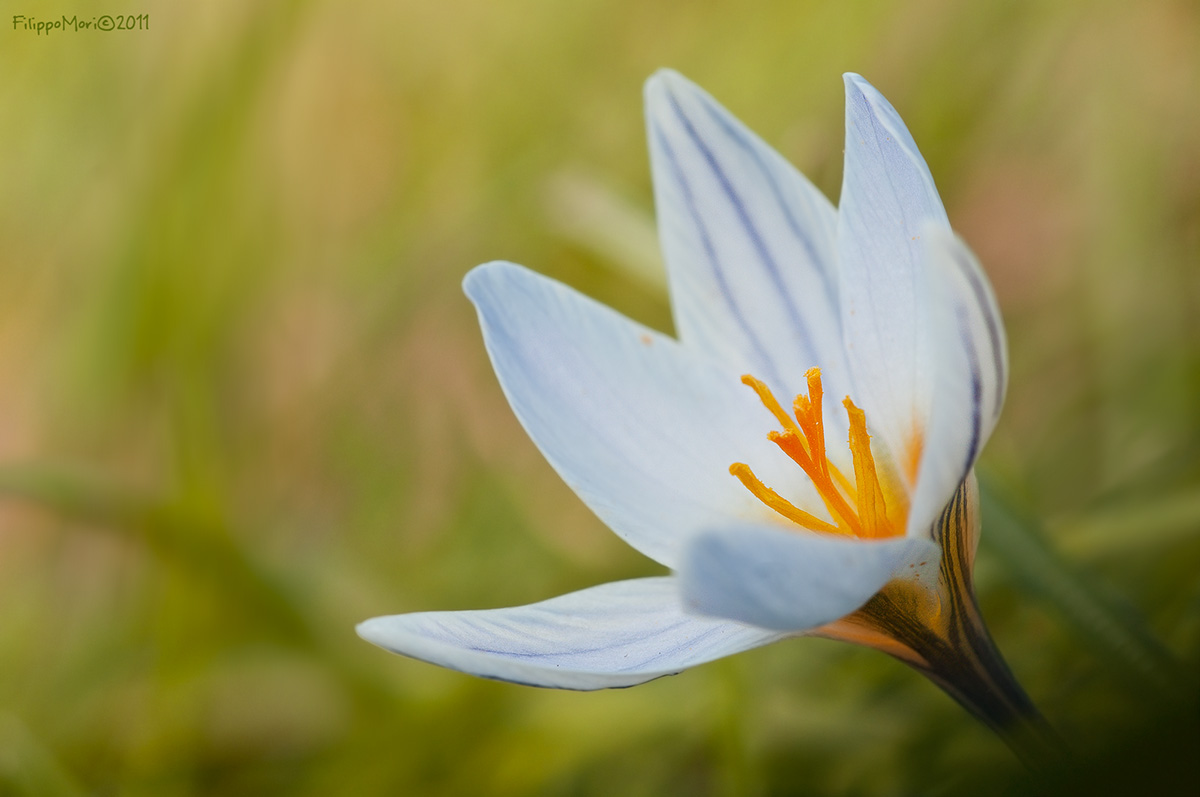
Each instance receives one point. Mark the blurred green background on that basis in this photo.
(244, 405)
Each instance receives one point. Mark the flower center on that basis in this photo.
(859, 509)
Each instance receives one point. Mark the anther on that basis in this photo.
(777, 502)
(768, 399)
(871, 508)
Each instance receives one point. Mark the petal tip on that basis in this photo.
(372, 630)
(858, 86)
(665, 79)
(664, 74)
(661, 87)
(476, 280)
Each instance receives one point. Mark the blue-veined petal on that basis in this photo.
(613, 635)
(748, 242)
(794, 581)
(888, 197)
(970, 371)
(642, 428)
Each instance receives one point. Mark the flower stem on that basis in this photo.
(971, 670)
(937, 629)
(961, 658)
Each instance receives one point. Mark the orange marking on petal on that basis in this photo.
(912, 461)
(848, 629)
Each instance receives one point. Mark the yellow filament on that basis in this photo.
(859, 509)
(834, 502)
(777, 502)
(871, 507)
(768, 399)
(810, 419)
(808, 414)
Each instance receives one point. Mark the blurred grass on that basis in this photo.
(243, 404)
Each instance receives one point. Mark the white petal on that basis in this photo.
(970, 371)
(617, 634)
(748, 242)
(641, 428)
(888, 196)
(791, 581)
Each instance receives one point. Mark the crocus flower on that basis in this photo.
(801, 457)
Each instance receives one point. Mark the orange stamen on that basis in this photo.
(810, 419)
(834, 502)
(808, 413)
(871, 507)
(768, 399)
(777, 502)
(858, 509)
